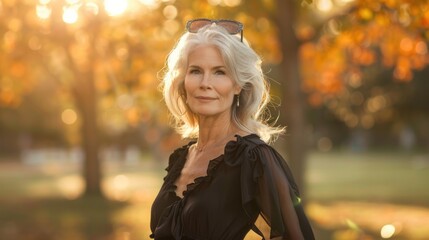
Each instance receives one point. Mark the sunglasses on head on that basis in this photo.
(233, 27)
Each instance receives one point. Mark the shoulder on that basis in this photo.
(247, 148)
(255, 144)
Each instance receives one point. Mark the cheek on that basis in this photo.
(227, 93)
(189, 83)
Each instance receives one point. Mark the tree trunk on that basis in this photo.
(92, 169)
(292, 96)
(86, 99)
(84, 94)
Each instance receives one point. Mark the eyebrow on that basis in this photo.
(215, 67)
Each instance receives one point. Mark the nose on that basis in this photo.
(205, 81)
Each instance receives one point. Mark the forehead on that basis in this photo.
(205, 54)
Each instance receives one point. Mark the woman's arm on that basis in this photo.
(278, 200)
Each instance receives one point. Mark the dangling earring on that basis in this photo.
(238, 100)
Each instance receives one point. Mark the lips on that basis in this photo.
(205, 98)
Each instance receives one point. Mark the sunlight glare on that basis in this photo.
(71, 2)
(92, 7)
(152, 4)
(43, 11)
(70, 15)
(115, 7)
(387, 231)
(324, 5)
(44, 1)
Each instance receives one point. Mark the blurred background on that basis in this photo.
(85, 135)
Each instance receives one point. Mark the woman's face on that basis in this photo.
(209, 87)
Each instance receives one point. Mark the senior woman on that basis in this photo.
(227, 176)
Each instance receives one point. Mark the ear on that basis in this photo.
(237, 90)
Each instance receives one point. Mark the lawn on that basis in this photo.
(349, 196)
(369, 195)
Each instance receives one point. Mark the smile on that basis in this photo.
(205, 98)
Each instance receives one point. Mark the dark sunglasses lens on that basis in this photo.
(231, 27)
(196, 25)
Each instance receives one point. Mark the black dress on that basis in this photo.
(249, 179)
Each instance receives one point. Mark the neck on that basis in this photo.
(214, 136)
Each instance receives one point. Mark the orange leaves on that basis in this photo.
(365, 14)
(321, 72)
(9, 98)
(339, 68)
(405, 53)
(362, 56)
(392, 32)
(17, 69)
(425, 19)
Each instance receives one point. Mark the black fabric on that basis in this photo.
(248, 180)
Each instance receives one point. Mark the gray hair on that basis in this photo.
(241, 61)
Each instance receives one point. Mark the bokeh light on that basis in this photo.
(45, 2)
(118, 188)
(151, 4)
(71, 187)
(232, 3)
(70, 15)
(43, 11)
(214, 2)
(170, 12)
(92, 7)
(115, 7)
(324, 5)
(69, 116)
(387, 231)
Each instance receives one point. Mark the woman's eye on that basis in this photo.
(220, 72)
(194, 71)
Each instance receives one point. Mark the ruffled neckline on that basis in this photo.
(232, 149)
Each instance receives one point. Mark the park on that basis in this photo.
(85, 135)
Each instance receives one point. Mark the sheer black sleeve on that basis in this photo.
(268, 189)
(278, 197)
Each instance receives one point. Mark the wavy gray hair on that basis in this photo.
(241, 61)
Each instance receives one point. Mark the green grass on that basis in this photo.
(40, 203)
(388, 177)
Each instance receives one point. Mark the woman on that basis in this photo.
(217, 185)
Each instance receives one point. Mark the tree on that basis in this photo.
(76, 44)
(293, 99)
(105, 64)
(347, 61)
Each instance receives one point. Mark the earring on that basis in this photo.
(238, 100)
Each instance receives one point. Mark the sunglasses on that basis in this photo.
(233, 27)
